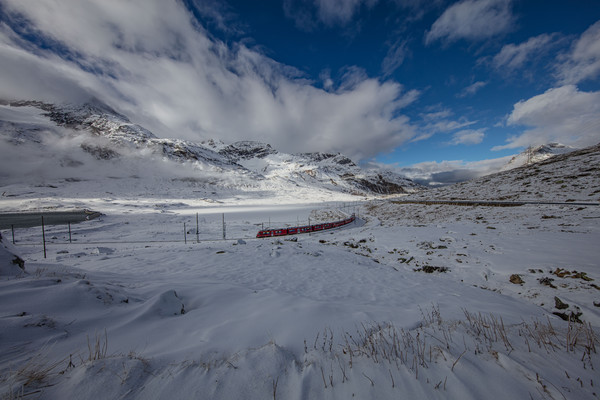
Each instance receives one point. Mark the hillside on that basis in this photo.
(536, 154)
(573, 176)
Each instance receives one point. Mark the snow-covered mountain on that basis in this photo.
(327, 170)
(569, 177)
(536, 154)
(72, 134)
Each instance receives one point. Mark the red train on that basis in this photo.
(304, 229)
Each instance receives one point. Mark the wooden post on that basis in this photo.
(197, 230)
(44, 236)
(12, 228)
(184, 234)
(224, 226)
(70, 240)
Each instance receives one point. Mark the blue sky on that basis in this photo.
(421, 86)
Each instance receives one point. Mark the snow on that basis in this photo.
(411, 301)
(537, 154)
(129, 310)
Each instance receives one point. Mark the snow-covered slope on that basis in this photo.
(334, 172)
(573, 176)
(536, 154)
(413, 301)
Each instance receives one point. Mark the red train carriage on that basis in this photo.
(303, 229)
(265, 233)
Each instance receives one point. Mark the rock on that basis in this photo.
(547, 281)
(569, 317)
(428, 269)
(516, 279)
(10, 263)
(558, 304)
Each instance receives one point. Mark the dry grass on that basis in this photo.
(35, 374)
(446, 343)
(97, 348)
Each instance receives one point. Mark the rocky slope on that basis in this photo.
(326, 170)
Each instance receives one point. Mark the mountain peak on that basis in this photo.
(247, 149)
(335, 158)
(536, 154)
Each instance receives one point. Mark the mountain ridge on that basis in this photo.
(108, 136)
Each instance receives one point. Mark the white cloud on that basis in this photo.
(440, 122)
(468, 136)
(513, 56)
(565, 115)
(447, 172)
(472, 89)
(308, 13)
(394, 57)
(473, 20)
(583, 61)
(339, 11)
(153, 62)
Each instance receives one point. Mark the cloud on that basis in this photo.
(447, 172)
(468, 136)
(472, 20)
(513, 56)
(436, 122)
(339, 11)
(472, 89)
(583, 61)
(565, 115)
(216, 13)
(154, 62)
(394, 57)
(308, 13)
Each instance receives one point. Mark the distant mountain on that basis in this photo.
(108, 136)
(329, 171)
(570, 177)
(536, 154)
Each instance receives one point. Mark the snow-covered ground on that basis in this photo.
(412, 301)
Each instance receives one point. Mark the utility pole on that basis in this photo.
(224, 226)
(44, 236)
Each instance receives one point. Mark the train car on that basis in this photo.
(304, 229)
(265, 233)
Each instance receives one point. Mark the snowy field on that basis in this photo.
(415, 301)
